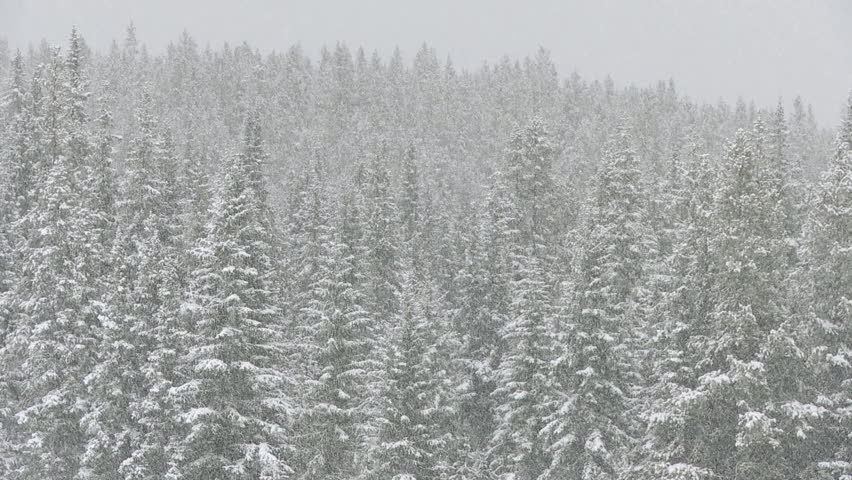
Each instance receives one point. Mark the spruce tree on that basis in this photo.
(786, 172)
(138, 306)
(341, 338)
(734, 426)
(409, 205)
(381, 241)
(828, 287)
(52, 346)
(525, 391)
(412, 442)
(530, 156)
(482, 290)
(233, 400)
(681, 321)
(591, 428)
(21, 151)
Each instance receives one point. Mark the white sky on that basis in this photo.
(757, 49)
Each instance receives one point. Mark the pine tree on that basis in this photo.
(21, 152)
(196, 197)
(75, 115)
(300, 241)
(341, 338)
(786, 171)
(14, 103)
(137, 307)
(409, 206)
(102, 180)
(8, 276)
(51, 349)
(7, 273)
(412, 442)
(804, 147)
(53, 340)
(14, 181)
(482, 290)
(591, 427)
(732, 423)
(525, 391)
(16, 184)
(233, 400)
(828, 254)
(530, 156)
(681, 321)
(381, 237)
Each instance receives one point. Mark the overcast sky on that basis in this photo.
(757, 49)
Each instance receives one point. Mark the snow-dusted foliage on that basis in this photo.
(217, 264)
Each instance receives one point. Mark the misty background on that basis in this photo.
(759, 50)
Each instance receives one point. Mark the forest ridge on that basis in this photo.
(220, 265)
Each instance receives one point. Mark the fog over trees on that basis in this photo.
(217, 264)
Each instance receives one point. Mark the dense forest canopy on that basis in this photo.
(216, 264)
